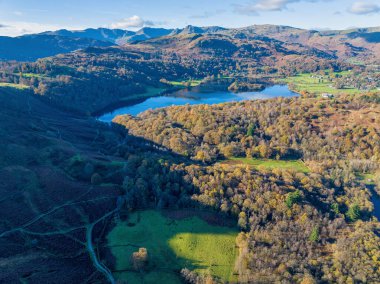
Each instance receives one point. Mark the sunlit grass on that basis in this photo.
(368, 178)
(172, 245)
(304, 82)
(16, 86)
(32, 75)
(296, 165)
(190, 83)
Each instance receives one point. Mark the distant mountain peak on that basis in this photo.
(103, 34)
(197, 30)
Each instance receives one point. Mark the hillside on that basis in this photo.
(33, 47)
(44, 196)
(61, 179)
(103, 34)
(300, 205)
(108, 75)
(356, 45)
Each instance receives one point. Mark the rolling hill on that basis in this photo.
(355, 45)
(32, 47)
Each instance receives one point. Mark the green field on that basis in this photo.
(193, 83)
(32, 75)
(17, 86)
(304, 82)
(368, 179)
(173, 244)
(271, 164)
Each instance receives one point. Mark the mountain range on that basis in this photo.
(360, 45)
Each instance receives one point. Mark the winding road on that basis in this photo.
(90, 247)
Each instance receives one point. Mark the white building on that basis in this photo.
(327, 95)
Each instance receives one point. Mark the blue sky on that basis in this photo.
(29, 16)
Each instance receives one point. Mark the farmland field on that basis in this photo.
(173, 244)
(305, 82)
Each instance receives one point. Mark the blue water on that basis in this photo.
(196, 97)
(376, 201)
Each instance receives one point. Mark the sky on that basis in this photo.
(19, 17)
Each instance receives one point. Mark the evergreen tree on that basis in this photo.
(314, 236)
(353, 212)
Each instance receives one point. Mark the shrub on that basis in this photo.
(293, 198)
(139, 259)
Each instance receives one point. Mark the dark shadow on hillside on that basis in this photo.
(61, 172)
(369, 37)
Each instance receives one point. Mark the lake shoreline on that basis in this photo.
(202, 94)
(129, 101)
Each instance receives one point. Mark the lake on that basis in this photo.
(376, 203)
(375, 200)
(195, 96)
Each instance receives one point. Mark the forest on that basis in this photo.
(296, 227)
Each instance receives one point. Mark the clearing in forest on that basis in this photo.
(16, 86)
(296, 165)
(172, 244)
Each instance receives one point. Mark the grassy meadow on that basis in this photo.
(296, 165)
(16, 86)
(172, 244)
(189, 83)
(32, 75)
(304, 82)
(368, 179)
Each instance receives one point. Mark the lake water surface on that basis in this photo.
(376, 201)
(197, 96)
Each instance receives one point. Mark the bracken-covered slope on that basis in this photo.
(61, 177)
(47, 203)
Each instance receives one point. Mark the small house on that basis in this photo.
(327, 96)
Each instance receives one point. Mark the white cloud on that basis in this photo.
(132, 22)
(267, 6)
(364, 8)
(273, 5)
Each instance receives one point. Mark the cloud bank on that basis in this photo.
(364, 8)
(132, 22)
